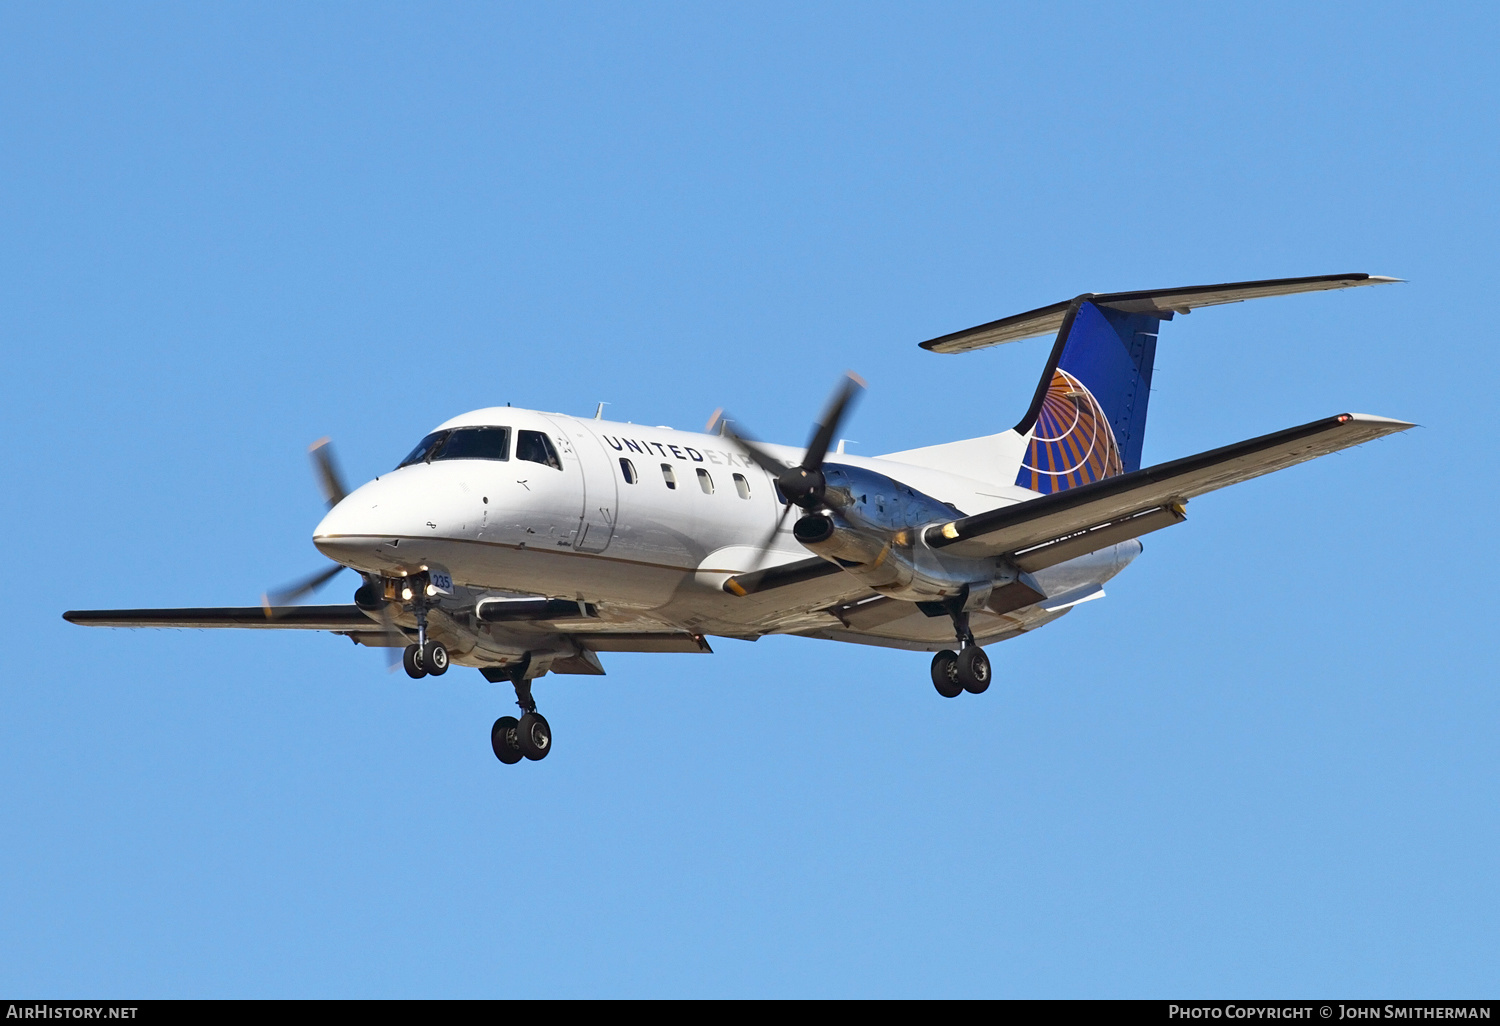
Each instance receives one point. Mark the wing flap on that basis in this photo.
(1100, 536)
(279, 618)
(1047, 320)
(644, 641)
(1058, 518)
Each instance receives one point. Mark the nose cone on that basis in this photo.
(402, 519)
(367, 518)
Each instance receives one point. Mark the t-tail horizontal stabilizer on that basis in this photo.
(1159, 303)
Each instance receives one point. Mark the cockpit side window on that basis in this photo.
(476, 443)
(537, 448)
(425, 448)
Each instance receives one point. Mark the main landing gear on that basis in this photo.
(968, 669)
(527, 738)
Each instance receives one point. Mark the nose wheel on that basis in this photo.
(426, 660)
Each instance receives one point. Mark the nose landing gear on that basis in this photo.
(968, 669)
(426, 657)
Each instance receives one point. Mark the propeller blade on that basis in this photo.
(763, 459)
(329, 478)
(850, 388)
(291, 592)
(804, 485)
(765, 546)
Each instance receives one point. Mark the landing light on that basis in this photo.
(406, 594)
(431, 590)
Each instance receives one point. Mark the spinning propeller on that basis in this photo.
(803, 485)
(331, 482)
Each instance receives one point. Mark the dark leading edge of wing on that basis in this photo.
(307, 618)
(1023, 525)
(1164, 302)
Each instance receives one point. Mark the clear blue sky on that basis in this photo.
(1266, 764)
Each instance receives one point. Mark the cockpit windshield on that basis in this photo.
(467, 443)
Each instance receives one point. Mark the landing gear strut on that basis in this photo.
(530, 737)
(968, 669)
(426, 657)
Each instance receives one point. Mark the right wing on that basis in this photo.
(303, 618)
(352, 621)
(1052, 528)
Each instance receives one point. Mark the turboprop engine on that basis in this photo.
(871, 525)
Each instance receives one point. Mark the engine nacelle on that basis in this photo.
(898, 564)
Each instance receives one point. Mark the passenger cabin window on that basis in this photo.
(627, 471)
(536, 447)
(667, 475)
(742, 486)
(468, 443)
(705, 482)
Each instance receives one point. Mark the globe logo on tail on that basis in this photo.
(1072, 443)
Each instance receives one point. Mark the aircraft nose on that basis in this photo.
(353, 529)
(339, 532)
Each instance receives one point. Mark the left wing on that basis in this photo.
(1052, 528)
(366, 630)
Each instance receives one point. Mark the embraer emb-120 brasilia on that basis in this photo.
(520, 542)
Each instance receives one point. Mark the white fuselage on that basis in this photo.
(646, 524)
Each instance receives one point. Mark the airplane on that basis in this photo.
(520, 542)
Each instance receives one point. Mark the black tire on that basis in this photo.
(435, 659)
(945, 674)
(533, 736)
(973, 670)
(411, 659)
(504, 741)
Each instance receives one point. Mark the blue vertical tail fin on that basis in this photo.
(1088, 418)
